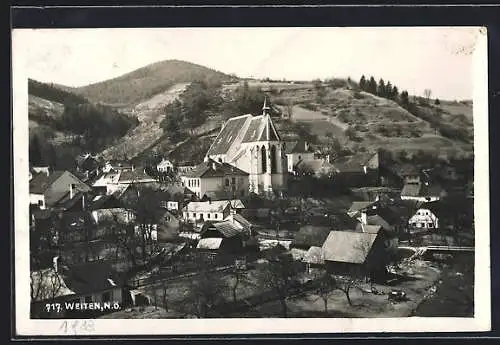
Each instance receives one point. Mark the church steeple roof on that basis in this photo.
(265, 107)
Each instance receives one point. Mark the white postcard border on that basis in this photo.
(28, 327)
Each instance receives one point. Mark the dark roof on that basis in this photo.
(297, 146)
(377, 220)
(411, 189)
(348, 246)
(360, 205)
(101, 200)
(342, 221)
(206, 169)
(243, 129)
(77, 219)
(261, 128)
(135, 175)
(43, 214)
(369, 228)
(353, 163)
(228, 133)
(66, 202)
(120, 164)
(311, 235)
(421, 189)
(392, 214)
(41, 182)
(289, 146)
(431, 189)
(92, 277)
(404, 169)
(226, 228)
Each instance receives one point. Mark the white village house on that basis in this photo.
(115, 181)
(165, 166)
(216, 180)
(425, 217)
(197, 211)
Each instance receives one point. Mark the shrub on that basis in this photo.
(309, 106)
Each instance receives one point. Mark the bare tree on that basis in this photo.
(345, 283)
(279, 276)
(427, 94)
(146, 206)
(356, 275)
(326, 286)
(45, 284)
(204, 291)
(238, 276)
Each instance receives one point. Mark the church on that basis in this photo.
(252, 144)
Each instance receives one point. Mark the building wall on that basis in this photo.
(219, 185)
(293, 158)
(172, 205)
(194, 184)
(197, 216)
(38, 199)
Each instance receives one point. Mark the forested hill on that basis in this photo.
(148, 81)
(53, 93)
(63, 125)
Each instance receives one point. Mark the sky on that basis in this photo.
(435, 58)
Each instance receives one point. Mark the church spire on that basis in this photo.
(265, 107)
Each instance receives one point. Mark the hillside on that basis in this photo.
(178, 106)
(62, 125)
(148, 81)
(359, 120)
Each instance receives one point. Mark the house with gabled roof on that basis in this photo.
(361, 169)
(201, 211)
(48, 190)
(422, 191)
(298, 151)
(253, 145)
(358, 254)
(228, 236)
(216, 180)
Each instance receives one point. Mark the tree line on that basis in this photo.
(53, 93)
(390, 91)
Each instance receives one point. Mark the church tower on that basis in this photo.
(271, 172)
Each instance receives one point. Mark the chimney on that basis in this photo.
(214, 166)
(365, 169)
(55, 263)
(306, 146)
(71, 190)
(83, 202)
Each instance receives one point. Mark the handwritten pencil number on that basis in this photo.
(77, 326)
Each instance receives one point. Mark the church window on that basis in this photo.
(273, 160)
(264, 159)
